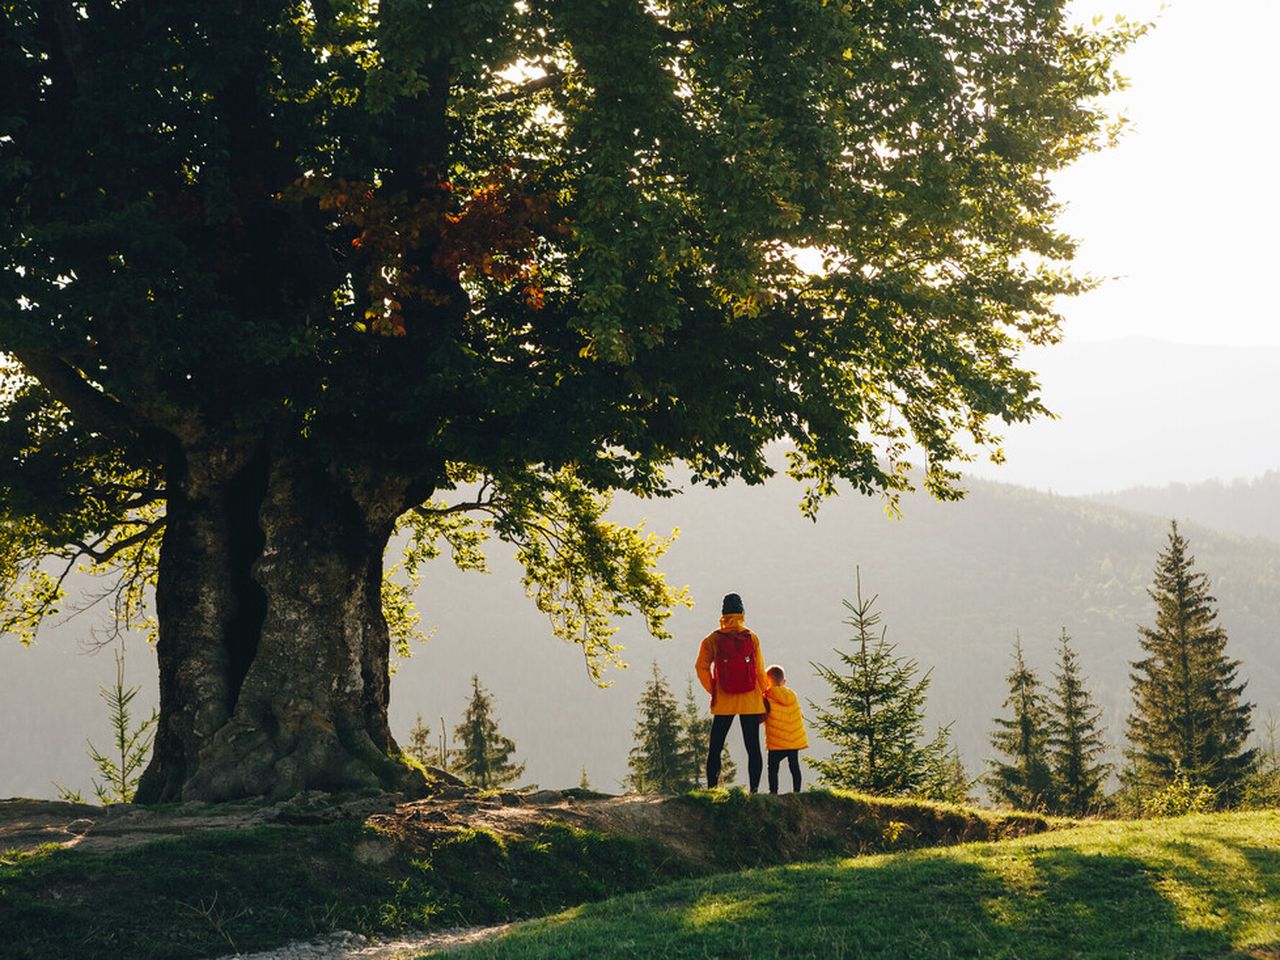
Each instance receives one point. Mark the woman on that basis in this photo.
(731, 669)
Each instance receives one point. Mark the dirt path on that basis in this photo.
(352, 946)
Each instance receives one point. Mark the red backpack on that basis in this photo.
(735, 662)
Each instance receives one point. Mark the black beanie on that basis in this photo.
(732, 604)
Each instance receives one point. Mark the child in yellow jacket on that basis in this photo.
(784, 735)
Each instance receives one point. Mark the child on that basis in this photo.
(784, 734)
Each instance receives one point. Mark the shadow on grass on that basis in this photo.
(1161, 898)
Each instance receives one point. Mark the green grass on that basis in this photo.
(1202, 886)
(215, 892)
(210, 893)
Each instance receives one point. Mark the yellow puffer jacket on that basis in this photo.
(784, 724)
(731, 703)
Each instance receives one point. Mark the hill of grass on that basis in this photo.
(1200, 886)
(242, 878)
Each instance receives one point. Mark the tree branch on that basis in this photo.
(551, 80)
(92, 409)
(102, 556)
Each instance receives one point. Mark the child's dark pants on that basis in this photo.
(775, 761)
(720, 725)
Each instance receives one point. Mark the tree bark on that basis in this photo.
(273, 651)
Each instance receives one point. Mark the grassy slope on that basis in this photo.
(1204, 886)
(209, 893)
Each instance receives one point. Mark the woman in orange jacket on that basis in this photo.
(731, 669)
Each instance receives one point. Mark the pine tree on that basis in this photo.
(1262, 789)
(484, 757)
(1188, 718)
(1026, 782)
(945, 777)
(658, 761)
(130, 745)
(695, 731)
(875, 716)
(1075, 737)
(420, 746)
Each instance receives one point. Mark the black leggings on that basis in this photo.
(775, 761)
(720, 725)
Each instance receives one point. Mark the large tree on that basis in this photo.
(1190, 718)
(281, 277)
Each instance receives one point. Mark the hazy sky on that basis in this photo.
(1184, 212)
(1181, 217)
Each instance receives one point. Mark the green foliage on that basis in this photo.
(1178, 798)
(945, 779)
(121, 769)
(483, 756)
(1262, 789)
(659, 761)
(583, 571)
(875, 719)
(1189, 719)
(1075, 739)
(543, 246)
(1196, 887)
(670, 750)
(1026, 781)
(420, 746)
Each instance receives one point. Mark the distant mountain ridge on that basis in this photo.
(956, 583)
(1250, 508)
(1141, 412)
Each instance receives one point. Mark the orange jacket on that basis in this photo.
(731, 703)
(784, 723)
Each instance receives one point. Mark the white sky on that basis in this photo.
(1184, 213)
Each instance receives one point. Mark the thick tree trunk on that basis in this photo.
(273, 650)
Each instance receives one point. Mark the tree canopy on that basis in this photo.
(272, 268)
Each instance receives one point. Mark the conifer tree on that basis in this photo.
(657, 761)
(1026, 781)
(945, 776)
(875, 716)
(1075, 737)
(1262, 789)
(1189, 718)
(695, 730)
(420, 746)
(484, 757)
(121, 768)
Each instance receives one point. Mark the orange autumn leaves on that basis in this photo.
(418, 248)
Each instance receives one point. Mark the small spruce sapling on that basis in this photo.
(121, 768)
